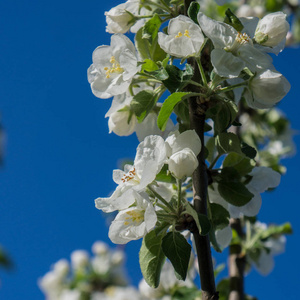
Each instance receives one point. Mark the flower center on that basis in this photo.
(240, 39)
(130, 176)
(186, 33)
(134, 216)
(115, 67)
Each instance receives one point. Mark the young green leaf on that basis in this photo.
(227, 142)
(151, 28)
(234, 193)
(242, 164)
(178, 251)
(201, 220)
(151, 256)
(193, 11)
(143, 102)
(167, 109)
(220, 216)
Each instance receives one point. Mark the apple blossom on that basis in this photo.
(149, 159)
(113, 67)
(182, 150)
(263, 178)
(273, 246)
(233, 50)
(184, 37)
(272, 30)
(266, 89)
(133, 223)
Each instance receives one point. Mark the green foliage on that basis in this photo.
(233, 20)
(227, 142)
(149, 66)
(276, 230)
(176, 77)
(234, 193)
(186, 293)
(151, 28)
(193, 10)
(223, 113)
(151, 256)
(202, 221)
(142, 103)
(149, 50)
(248, 150)
(178, 251)
(220, 216)
(243, 165)
(167, 109)
(165, 176)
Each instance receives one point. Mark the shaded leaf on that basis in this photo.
(178, 251)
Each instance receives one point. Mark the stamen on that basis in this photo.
(186, 33)
(178, 35)
(115, 68)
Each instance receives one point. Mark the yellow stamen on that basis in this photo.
(115, 68)
(186, 33)
(178, 35)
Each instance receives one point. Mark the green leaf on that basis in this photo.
(233, 20)
(223, 114)
(220, 216)
(143, 102)
(248, 150)
(160, 74)
(201, 220)
(178, 251)
(223, 288)
(227, 142)
(211, 147)
(193, 11)
(242, 164)
(186, 293)
(151, 28)
(165, 176)
(234, 193)
(151, 256)
(149, 66)
(176, 78)
(167, 109)
(275, 230)
(148, 50)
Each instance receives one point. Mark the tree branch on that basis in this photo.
(237, 264)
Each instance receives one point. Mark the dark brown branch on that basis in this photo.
(237, 263)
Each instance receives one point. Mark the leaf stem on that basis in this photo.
(232, 87)
(214, 161)
(158, 196)
(179, 184)
(203, 77)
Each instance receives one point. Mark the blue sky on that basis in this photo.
(59, 156)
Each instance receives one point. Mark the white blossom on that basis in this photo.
(149, 159)
(124, 16)
(182, 150)
(133, 223)
(224, 236)
(271, 31)
(275, 246)
(263, 178)
(184, 37)
(233, 50)
(113, 67)
(266, 89)
(79, 259)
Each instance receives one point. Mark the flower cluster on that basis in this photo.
(134, 198)
(186, 119)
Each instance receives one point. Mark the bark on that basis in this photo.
(237, 264)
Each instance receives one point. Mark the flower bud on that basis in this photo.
(79, 259)
(99, 248)
(267, 88)
(119, 19)
(118, 123)
(272, 29)
(183, 163)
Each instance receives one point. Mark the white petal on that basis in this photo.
(187, 139)
(226, 64)
(224, 237)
